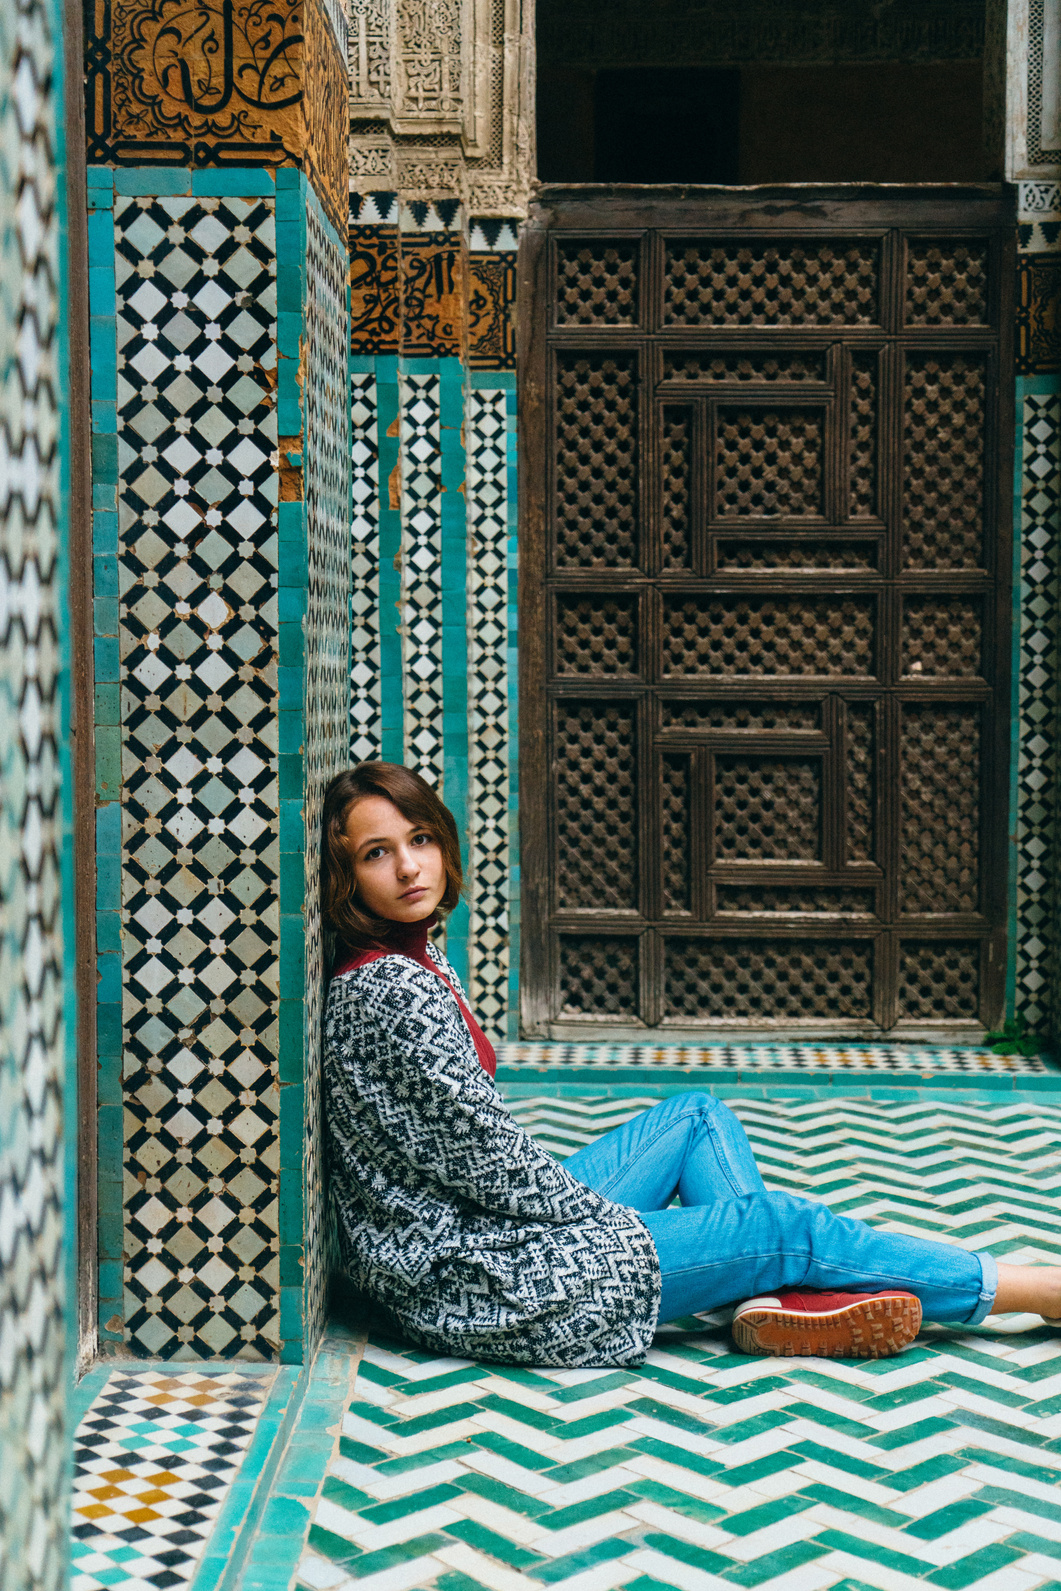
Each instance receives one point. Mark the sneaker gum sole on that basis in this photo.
(874, 1328)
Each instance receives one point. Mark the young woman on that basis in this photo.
(470, 1239)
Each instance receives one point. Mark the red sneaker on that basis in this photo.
(828, 1325)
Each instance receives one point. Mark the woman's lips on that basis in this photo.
(413, 894)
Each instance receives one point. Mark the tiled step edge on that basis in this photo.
(241, 1512)
(266, 1557)
(770, 1077)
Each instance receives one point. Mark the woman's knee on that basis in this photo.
(699, 1102)
(679, 1106)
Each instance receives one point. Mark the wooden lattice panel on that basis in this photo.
(764, 578)
(793, 283)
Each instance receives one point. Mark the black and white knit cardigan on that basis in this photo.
(471, 1237)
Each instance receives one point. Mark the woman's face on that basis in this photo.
(398, 866)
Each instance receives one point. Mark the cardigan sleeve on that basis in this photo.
(405, 1074)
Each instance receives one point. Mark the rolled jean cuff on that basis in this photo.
(988, 1288)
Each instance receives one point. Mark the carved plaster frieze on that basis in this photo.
(372, 163)
(369, 34)
(421, 175)
(446, 84)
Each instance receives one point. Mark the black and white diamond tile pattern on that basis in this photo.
(32, 609)
(744, 1058)
(421, 510)
(196, 286)
(326, 703)
(366, 726)
(153, 1460)
(1037, 761)
(488, 728)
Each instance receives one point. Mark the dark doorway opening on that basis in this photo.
(705, 91)
(666, 124)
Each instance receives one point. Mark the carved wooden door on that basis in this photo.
(764, 577)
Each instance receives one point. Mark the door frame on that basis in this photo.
(843, 209)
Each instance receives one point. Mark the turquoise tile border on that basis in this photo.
(273, 1554)
(103, 358)
(508, 380)
(520, 1082)
(454, 633)
(87, 1390)
(291, 591)
(221, 1565)
(294, 198)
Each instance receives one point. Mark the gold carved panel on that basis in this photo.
(218, 83)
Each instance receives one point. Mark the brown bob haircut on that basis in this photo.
(418, 803)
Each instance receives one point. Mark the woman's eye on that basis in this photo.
(421, 839)
(370, 856)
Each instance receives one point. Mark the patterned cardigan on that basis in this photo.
(471, 1237)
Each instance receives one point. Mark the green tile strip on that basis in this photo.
(272, 1557)
(241, 1513)
(103, 358)
(292, 592)
(508, 381)
(820, 1083)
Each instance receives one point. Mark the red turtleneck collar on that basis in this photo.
(410, 939)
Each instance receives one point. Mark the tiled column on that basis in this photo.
(219, 356)
(1035, 969)
(432, 662)
(490, 428)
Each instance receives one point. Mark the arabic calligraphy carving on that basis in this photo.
(219, 82)
(177, 78)
(217, 61)
(491, 311)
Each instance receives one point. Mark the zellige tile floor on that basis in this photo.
(154, 1457)
(705, 1469)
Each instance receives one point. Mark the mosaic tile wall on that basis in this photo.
(1035, 971)
(155, 1457)
(325, 717)
(491, 497)
(366, 708)
(195, 280)
(433, 529)
(224, 701)
(1036, 645)
(421, 501)
(34, 1281)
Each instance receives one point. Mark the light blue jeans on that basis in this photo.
(733, 1240)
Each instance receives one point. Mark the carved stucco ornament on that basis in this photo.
(440, 100)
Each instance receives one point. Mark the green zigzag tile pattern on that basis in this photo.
(706, 1470)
